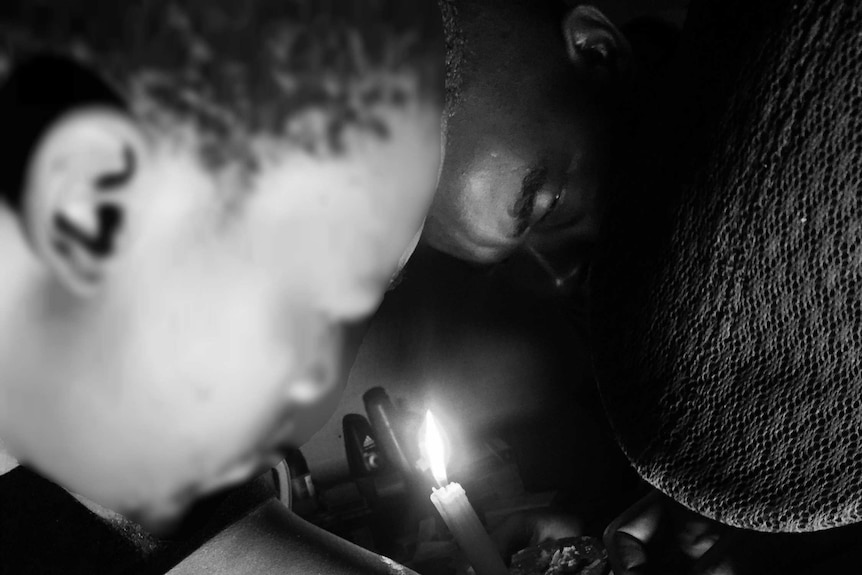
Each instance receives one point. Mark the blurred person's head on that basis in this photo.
(534, 100)
(198, 197)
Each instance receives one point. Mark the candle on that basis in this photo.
(452, 504)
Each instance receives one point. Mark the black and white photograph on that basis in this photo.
(430, 287)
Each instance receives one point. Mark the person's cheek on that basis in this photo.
(314, 416)
(351, 339)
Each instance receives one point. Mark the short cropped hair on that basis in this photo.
(454, 52)
(454, 13)
(299, 71)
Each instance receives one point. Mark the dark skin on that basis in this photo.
(529, 137)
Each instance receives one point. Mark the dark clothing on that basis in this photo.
(44, 530)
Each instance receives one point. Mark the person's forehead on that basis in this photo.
(527, 106)
(327, 223)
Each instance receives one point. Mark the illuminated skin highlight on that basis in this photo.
(216, 338)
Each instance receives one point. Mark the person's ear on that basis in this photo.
(592, 40)
(75, 208)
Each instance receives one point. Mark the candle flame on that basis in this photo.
(434, 449)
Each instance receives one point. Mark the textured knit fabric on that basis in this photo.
(728, 289)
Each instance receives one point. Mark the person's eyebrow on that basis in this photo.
(534, 181)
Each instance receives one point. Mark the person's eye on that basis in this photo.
(544, 203)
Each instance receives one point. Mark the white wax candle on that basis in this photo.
(471, 536)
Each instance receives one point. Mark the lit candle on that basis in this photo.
(451, 501)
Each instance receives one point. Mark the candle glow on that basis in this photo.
(451, 502)
(435, 450)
